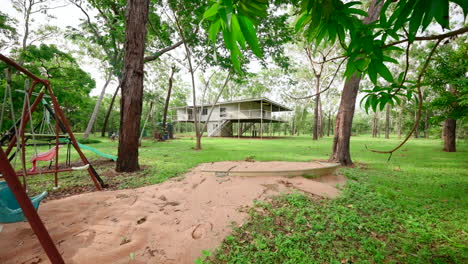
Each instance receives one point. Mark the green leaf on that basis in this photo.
(416, 20)
(250, 35)
(372, 71)
(361, 64)
(357, 11)
(400, 77)
(428, 15)
(228, 40)
(237, 32)
(332, 33)
(367, 104)
(390, 59)
(384, 72)
(214, 30)
(393, 48)
(226, 16)
(397, 100)
(441, 12)
(341, 35)
(301, 21)
(383, 16)
(213, 10)
(350, 4)
(409, 94)
(383, 101)
(374, 102)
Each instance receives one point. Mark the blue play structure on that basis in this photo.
(10, 211)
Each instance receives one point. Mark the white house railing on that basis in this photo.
(240, 114)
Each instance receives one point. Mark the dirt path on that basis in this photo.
(166, 223)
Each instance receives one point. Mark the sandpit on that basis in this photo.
(169, 223)
(270, 168)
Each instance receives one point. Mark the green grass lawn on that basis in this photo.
(411, 209)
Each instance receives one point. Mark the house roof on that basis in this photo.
(276, 107)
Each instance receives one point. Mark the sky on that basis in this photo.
(66, 15)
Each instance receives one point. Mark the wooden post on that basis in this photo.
(238, 120)
(271, 117)
(261, 119)
(28, 210)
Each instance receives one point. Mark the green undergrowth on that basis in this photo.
(362, 226)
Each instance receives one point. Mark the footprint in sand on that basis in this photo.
(84, 238)
(200, 230)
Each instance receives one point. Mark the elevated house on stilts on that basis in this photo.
(248, 117)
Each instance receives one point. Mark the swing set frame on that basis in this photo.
(12, 177)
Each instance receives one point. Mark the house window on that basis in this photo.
(222, 112)
(205, 111)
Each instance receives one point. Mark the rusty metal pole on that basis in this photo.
(25, 118)
(59, 114)
(28, 209)
(57, 132)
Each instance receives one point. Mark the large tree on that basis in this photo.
(447, 80)
(132, 85)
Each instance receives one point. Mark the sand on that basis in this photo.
(234, 166)
(169, 223)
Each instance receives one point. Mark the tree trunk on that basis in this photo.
(387, 122)
(316, 110)
(344, 121)
(344, 118)
(329, 124)
(168, 98)
(426, 124)
(96, 108)
(416, 131)
(132, 85)
(109, 110)
(375, 125)
(400, 119)
(320, 123)
(450, 127)
(293, 126)
(148, 116)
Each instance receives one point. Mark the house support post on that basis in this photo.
(238, 120)
(261, 119)
(271, 117)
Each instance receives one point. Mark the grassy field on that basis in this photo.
(411, 209)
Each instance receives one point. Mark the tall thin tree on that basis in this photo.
(132, 85)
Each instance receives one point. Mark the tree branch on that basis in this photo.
(324, 90)
(215, 102)
(159, 53)
(406, 69)
(432, 37)
(420, 103)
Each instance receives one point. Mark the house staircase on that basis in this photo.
(221, 126)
